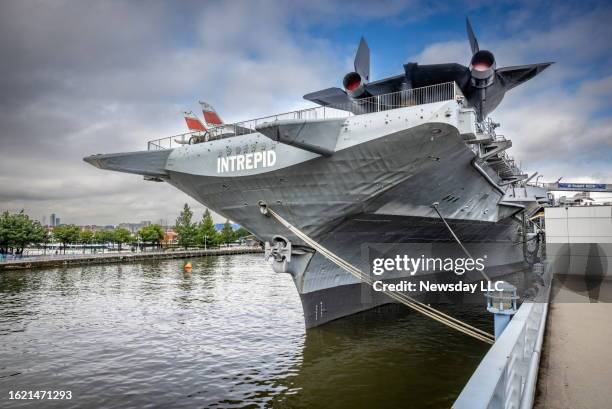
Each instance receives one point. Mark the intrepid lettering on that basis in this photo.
(248, 161)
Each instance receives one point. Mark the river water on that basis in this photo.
(230, 334)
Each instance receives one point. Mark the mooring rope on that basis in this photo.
(435, 207)
(400, 297)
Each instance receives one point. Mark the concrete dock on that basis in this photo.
(576, 366)
(100, 258)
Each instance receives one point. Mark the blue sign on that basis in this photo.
(583, 186)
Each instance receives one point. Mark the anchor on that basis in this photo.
(278, 253)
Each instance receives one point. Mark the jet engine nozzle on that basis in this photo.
(482, 68)
(354, 85)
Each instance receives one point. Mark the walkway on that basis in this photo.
(101, 258)
(576, 365)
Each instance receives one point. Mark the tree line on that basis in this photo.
(71, 234)
(204, 232)
(18, 230)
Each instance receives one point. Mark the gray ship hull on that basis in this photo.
(380, 192)
(329, 293)
(370, 178)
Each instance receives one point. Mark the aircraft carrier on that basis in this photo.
(388, 161)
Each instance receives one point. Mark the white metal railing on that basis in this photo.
(507, 375)
(487, 127)
(401, 99)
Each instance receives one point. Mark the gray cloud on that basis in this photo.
(79, 78)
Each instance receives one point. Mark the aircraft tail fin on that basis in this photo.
(211, 118)
(362, 60)
(193, 122)
(471, 36)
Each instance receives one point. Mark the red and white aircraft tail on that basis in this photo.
(193, 122)
(211, 118)
(212, 127)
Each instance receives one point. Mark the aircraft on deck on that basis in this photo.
(212, 126)
(481, 82)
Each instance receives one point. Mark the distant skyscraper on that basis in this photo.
(52, 220)
(57, 221)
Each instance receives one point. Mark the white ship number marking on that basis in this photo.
(248, 161)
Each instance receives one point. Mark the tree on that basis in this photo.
(66, 234)
(5, 232)
(46, 238)
(241, 232)
(152, 233)
(86, 236)
(121, 236)
(102, 236)
(185, 228)
(207, 232)
(18, 231)
(227, 233)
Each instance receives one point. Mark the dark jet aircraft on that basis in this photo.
(482, 83)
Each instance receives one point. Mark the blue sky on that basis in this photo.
(395, 39)
(80, 78)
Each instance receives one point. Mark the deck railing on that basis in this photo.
(400, 99)
(507, 375)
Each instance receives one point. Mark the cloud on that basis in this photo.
(81, 78)
(448, 51)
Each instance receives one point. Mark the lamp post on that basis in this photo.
(502, 304)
